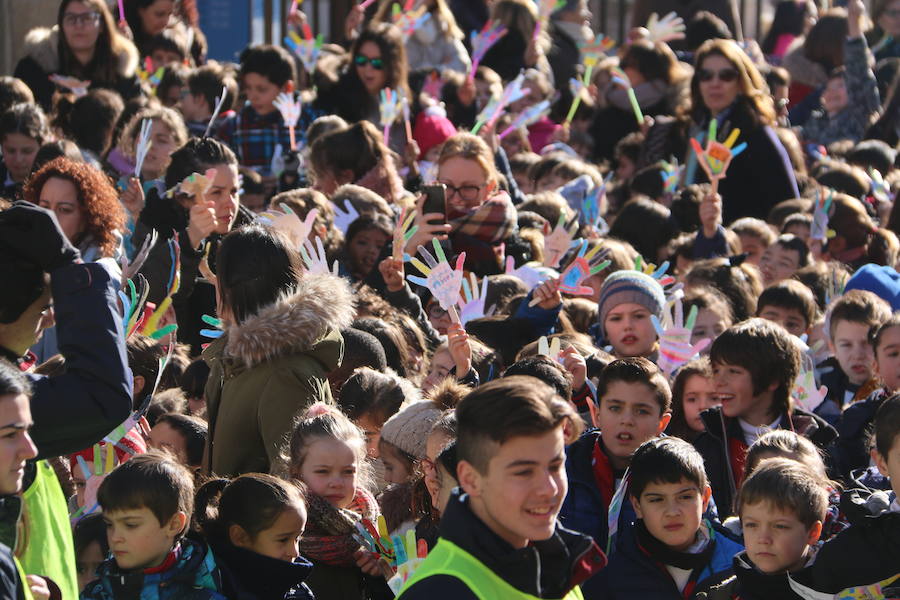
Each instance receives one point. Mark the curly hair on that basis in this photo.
(104, 214)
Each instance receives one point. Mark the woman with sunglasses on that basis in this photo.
(727, 87)
(84, 45)
(377, 61)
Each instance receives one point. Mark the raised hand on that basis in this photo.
(404, 230)
(675, 347)
(460, 350)
(715, 158)
(315, 260)
(441, 280)
(471, 304)
(558, 242)
(670, 27)
(392, 271)
(529, 275)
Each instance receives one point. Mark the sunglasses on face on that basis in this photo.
(362, 61)
(726, 75)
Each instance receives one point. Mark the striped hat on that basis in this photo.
(623, 287)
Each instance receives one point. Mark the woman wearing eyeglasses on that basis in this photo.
(726, 86)
(83, 45)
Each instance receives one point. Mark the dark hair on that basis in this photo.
(820, 278)
(379, 395)
(207, 81)
(255, 267)
(90, 121)
(547, 370)
(25, 119)
(503, 409)
(875, 335)
(665, 460)
(887, 425)
(738, 284)
(788, 485)
(197, 155)
(857, 306)
(144, 354)
(789, 241)
(154, 480)
(13, 91)
(272, 62)
(678, 426)
(167, 401)
(194, 431)
(193, 380)
(873, 153)
(53, 150)
(12, 381)
(396, 350)
(636, 370)
(103, 69)
(767, 351)
(704, 26)
(169, 39)
(253, 502)
(788, 444)
(25, 282)
(88, 530)
(790, 18)
(361, 349)
(819, 45)
(175, 76)
(790, 294)
(358, 148)
(646, 225)
(654, 60)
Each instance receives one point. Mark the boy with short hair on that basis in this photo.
(635, 406)
(755, 364)
(499, 537)
(869, 550)
(204, 86)
(782, 507)
(782, 259)
(147, 504)
(670, 552)
(257, 128)
(850, 319)
(790, 304)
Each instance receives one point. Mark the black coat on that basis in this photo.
(247, 575)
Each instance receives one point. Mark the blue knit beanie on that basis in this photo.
(623, 287)
(884, 282)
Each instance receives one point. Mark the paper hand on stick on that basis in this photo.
(558, 242)
(715, 158)
(344, 215)
(194, 185)
(531, 274)
(409, 19)
(482, 42)
(670, 27)
(805, 393)
(315, 260)
(76, 86)
(818, 230)
(594, 49)
(403, 232)
(217, 325)
(585, 264)
(290, 112)
(494, 109)
(287, 222)
(551, 350)
(528, 116)
(675, 346)
(415, 552)
(143, 146)
(671, 175)
(471, 304)
(441, 280)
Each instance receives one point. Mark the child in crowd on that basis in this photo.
(23, 128)
(790, 304)
(692, 393)
(91, 547)
(253, 524)
(782, 259)
(755, 235)
(754, 366)
(635, 406)
(204, 87)
(182, 435)
(512, 483)
(327, 452)
(147, 503)
(670, 543)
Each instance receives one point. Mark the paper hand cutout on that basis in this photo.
(528, 116)
(482, 42)
(194, 185)
(585, 264)
(675, 347)
(220, 102)
(130, 269)
(621, 78)
(670, 27)
(671, 175)
(143, 146)
(306, 48)
(494, 109)
(388, 106)
(287, 222)
(595, 49)
(344, 215)
(74, 85)
(551, 350)
(214, 333)
(471, 304)
(558, 242)
(818, 230)
(414, 552)
(442, 281)
(881, 190)
(659, 274)
(153, 78)
(591, 203)
(403, 232)
(409, 19)
(290, 112)
(715, 158)
(433, 85)
(133, 313)
(805, 393)
(531, 274)
(315, 260)
(545, 9)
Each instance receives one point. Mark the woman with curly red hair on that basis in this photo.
(86, 206)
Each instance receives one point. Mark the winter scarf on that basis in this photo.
(493, 221)
(329, 534)
(665, 555)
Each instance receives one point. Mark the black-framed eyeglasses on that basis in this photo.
(361, 61)
(88, 18)
(468, 193)
(726, 75)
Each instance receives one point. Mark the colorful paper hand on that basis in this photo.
(675, 347)
(130, 269)
(409, 18)
(482, 42)
(805, 394)
(545, 9)
(511, 93)
(290, 112)
(215, 323)
(306, 48)
(143, 146)
(671, 175)
(344, 215)
(559, 241)
(442, 281)
(471, 304)
(621, 78)
(74, 85)
(531, 274)
(414, 552)
(389, 109)
(715, 158)
(592, 203)
(880, 189)
(194, 185)
(403, 232)
(594, 49)
(315, 260)
(150, 77)
(670, 27)
(528, 116)
(287, 222)
(583, 266)
(659, 274)
(433, 85)
(818, 230)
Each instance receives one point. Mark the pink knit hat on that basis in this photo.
(431, 130)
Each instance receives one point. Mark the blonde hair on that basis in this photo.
(470, 147)
(324, 421)
(169, 117)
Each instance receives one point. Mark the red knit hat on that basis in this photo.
(431, 130)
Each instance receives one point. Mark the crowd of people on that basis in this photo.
(423, 314)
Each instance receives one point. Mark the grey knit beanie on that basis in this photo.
(409, 428)
(629, 286)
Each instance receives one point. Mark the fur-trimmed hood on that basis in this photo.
(42, 45)
(295, 323)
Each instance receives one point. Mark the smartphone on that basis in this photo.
(435, 200)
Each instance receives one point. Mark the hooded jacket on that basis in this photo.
(42, 60)
(267, 370)
(247, 575)
(723, 447)
(545, 569)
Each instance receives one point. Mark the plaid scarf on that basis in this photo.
(329, 532)
(493, 221)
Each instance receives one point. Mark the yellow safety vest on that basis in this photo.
(26, 591)
(449, 559)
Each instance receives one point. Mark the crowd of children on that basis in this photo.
(419, 314)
